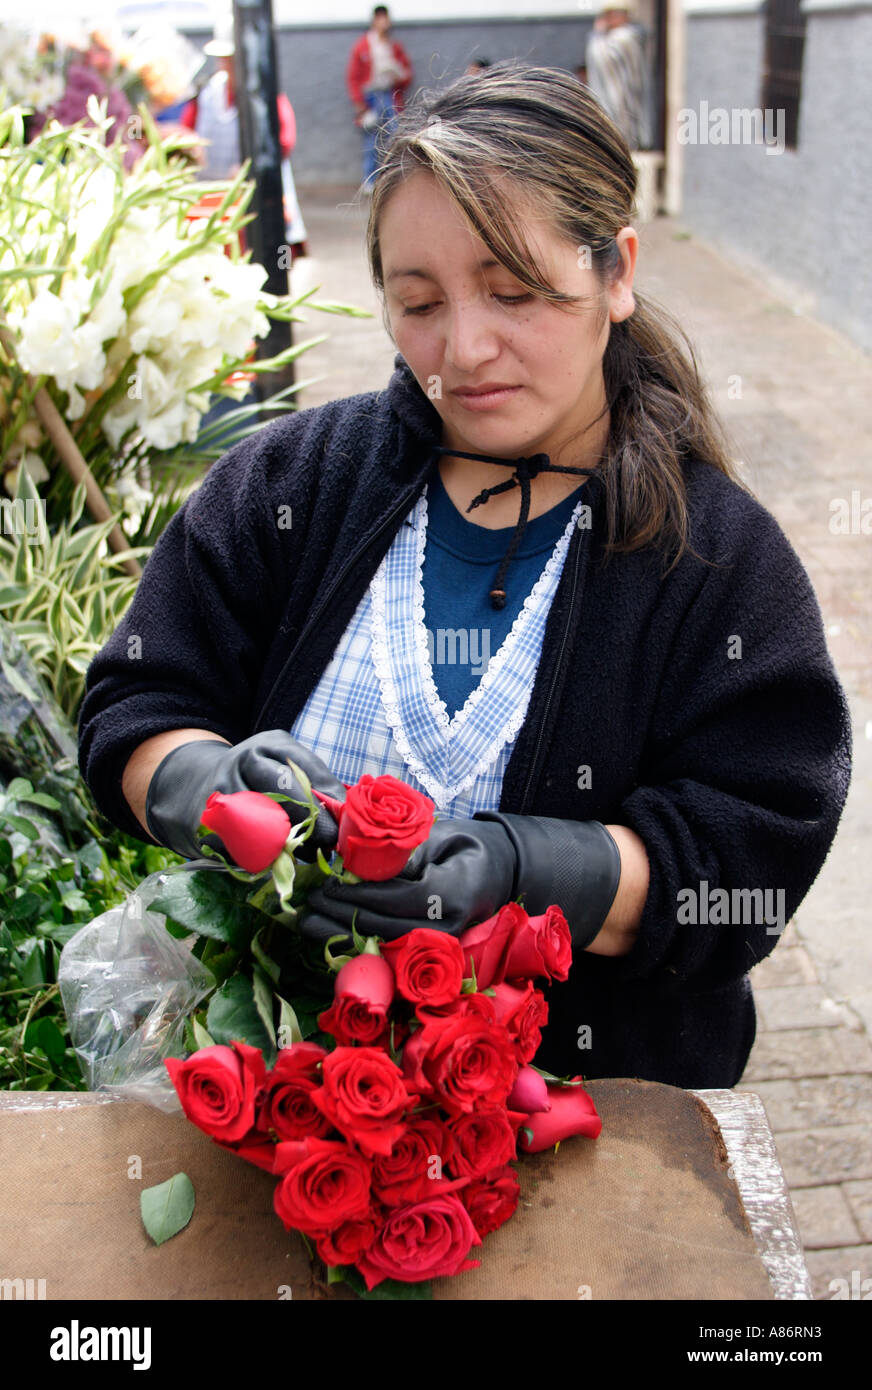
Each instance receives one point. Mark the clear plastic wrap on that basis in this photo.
(127, 986)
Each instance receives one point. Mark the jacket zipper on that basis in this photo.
(549, 697)
(314, 617)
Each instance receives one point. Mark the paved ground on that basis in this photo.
(794, 396)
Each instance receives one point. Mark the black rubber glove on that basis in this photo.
(182, 783)
(467, 869)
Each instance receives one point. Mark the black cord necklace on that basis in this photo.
(525, 470)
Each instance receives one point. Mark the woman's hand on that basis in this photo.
(467, 869)
(463, 872)
(184, 780)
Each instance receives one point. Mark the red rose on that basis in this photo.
(529, 1093)
(463, 1061)
(490, 1201)
(253, 827)
(363, 993)
(424, 1241)
(480, 1004)
(428, 965)
(483, 1140)
(408, 1172)
(524, 1013)
(542, 946)
(572, 1112)
(325, 1183)
(486, 946)
(287, 1108)
(218, 1087)
(380, 822)
(256, 1149)
(365, 1097)
(342, 1246)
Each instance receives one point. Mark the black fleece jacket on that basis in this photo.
(704, 704)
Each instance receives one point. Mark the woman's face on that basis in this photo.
(463, 322)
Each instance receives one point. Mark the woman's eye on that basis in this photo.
(502, 299)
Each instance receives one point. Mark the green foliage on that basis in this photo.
(64, 594)
(48, 890)
(167, 1208)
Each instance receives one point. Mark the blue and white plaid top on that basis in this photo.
(376, 708)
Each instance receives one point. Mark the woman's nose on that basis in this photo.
(470, 338)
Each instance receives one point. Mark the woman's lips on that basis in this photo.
(486, 400)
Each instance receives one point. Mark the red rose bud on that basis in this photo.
(365, 1097)
(486, 946)
(529, 1093)
(463, 1061)
(218, 1087)
(287, 1109)
(572, 1112)
(349, 1240)
(428, 965)
(426, 1240)
(258, 1150)
(492, 1200)
(524, 1013)
(363, 992)
(542, 947)
(415, 1163)
(483, 1140)
(253, 827)
(325, 1184)
(369, 980)
(381, 822)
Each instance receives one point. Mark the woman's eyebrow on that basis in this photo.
(487, 263)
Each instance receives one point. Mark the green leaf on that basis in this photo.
(388, 1289)
(44, 1033)
(167, 1208)
(201, 1037)
(41, 799)
(25, 827)
(263, 1001)
(233, 1015)
(207, 902)
(470, 986)
(289, 1026)
(264, 961)
(34, 969)
(336, 962)
(18, 788)
(283, 873)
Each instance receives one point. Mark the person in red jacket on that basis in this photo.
(378, 73)
(214, 117)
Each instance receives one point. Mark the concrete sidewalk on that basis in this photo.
(794, 397)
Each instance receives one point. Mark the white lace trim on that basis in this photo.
(443, 793)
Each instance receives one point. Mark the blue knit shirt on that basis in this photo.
(461, 559)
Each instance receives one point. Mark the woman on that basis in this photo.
(660, 728)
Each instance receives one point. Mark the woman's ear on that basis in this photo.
(620, 294)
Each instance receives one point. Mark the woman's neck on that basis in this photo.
(463, 479)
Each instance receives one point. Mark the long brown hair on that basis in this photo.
(517, 127)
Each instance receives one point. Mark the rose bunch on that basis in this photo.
(393, 1149)
(392, 1131)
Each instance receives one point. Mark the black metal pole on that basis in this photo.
(256, 94)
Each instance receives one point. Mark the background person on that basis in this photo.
(618, 74)
(214, 116)
(378, 73)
